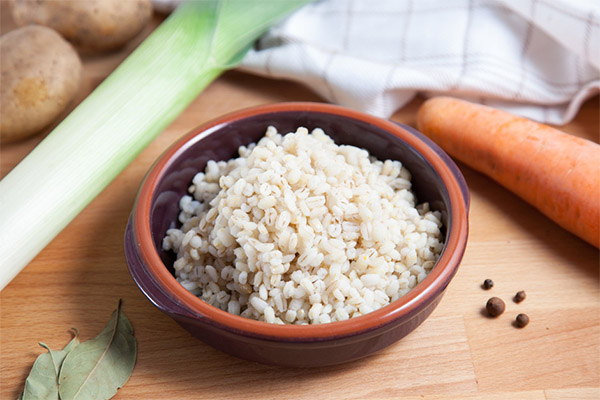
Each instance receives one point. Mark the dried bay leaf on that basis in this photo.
(91, 374)
(73, 343)
(96, 369)
(42, 382)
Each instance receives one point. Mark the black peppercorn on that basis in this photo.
(495, 306)
(488, 284)
(522, 320)
(520, 296)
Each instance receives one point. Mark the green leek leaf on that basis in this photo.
(90, 147)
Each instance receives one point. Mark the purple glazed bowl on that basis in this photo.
(436, 179)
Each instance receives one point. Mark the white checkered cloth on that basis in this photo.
(535, 58)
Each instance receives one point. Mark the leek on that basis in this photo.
(90, 147)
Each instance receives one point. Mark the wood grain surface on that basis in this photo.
(457, 353)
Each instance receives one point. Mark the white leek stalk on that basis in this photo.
(83, 154)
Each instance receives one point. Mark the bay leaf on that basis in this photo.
(96, 369)
(42, 382)
(74, 342)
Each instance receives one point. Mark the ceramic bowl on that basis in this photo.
(436, 179)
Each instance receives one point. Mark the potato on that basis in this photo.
(41, 74)
(91, 25)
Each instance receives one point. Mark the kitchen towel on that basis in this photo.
(535, 58)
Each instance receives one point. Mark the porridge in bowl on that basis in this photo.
(299, 230)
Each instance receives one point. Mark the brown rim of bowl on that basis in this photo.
(406, 305)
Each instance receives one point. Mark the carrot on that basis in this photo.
(557, 173)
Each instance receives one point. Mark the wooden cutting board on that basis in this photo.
(457, 353)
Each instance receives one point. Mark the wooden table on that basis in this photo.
(457, 353)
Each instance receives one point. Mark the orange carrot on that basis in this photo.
(557, 173)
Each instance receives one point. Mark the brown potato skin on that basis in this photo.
(40, 74)
(90, 25)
